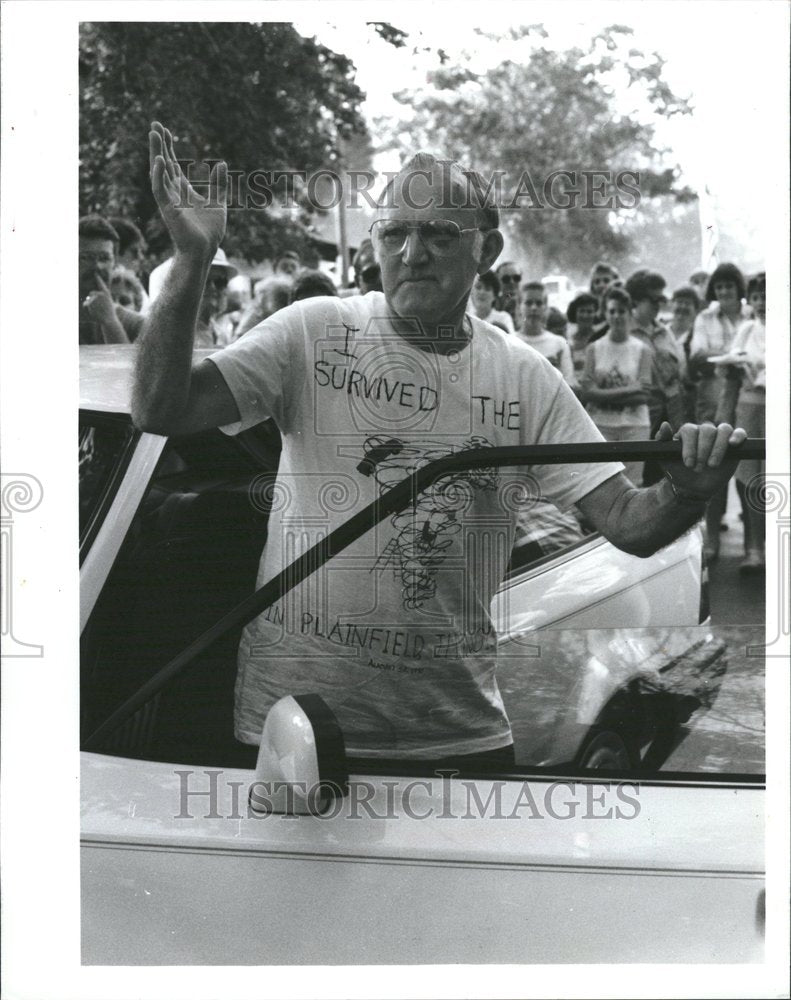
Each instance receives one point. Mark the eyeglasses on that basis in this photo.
(86, 257)
(440, 237)
(509, 278)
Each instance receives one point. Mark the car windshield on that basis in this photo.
(608, 682)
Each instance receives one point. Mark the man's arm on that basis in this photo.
(170, 397)
(640, 521)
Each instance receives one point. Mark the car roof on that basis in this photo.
(106, 375)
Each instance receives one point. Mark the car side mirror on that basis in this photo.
(301, 767)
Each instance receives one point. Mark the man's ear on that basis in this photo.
(492, 248)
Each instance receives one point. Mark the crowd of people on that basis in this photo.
(633, 356)
(116, 294)
(637, 358)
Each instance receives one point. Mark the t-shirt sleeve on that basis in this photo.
(262, 369)
(567, 422)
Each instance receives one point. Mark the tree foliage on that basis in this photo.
(582, 109)
(259, 96)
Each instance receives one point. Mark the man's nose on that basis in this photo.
(413, 251)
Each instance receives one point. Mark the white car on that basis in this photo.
(597, 845)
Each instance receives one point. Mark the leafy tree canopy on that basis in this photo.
(259, 96)
(588, 108)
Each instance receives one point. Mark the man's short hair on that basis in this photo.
(619, 295)
(582, 300)
(689, 293)
(310, 284)
(474, 192)
(602, 267)
(508, 263)
(128, 233)
(726, 272)
(288, 255)
(535, 286)
(98, 228)
(643, 284)
(490, 280)
(697, 276)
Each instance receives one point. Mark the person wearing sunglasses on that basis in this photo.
(213, 326)
(394, 632)
(510, 298)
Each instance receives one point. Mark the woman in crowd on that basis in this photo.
(484, 292)
(745, 395)
(712, 336)
(616, 380)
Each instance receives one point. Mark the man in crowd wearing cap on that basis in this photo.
(210, 330)
(366, 389)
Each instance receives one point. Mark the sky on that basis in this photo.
(729, 58)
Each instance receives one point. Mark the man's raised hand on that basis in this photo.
(196, 224)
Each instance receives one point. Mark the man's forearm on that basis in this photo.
(164, 359)
(641, 521)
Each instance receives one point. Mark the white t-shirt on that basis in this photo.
(610, 364)
(394, 631)
(556, 350)
(751, 339)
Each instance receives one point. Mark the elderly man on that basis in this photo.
(394, 633)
